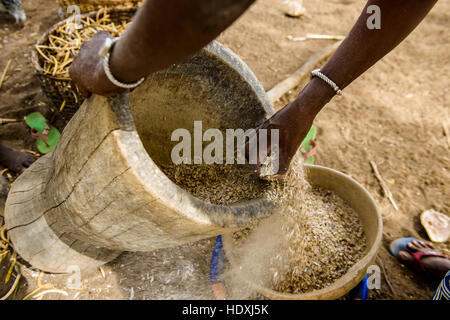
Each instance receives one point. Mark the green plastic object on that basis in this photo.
(306, 143)
(46, 135)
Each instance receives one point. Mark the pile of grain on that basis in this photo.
(312, 240)
(218, 184)
(322, 243)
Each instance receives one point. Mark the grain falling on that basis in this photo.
(312, 240)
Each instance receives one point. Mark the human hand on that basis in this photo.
(293, 123)
(87, 70)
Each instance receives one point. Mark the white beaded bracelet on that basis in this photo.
(104, 53)
(318, 74)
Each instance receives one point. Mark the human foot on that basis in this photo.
(425, 259)
(14, 160)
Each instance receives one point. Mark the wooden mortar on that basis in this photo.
(100, 191)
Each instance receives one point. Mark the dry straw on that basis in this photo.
(93, 5)
(64, 43)
(5, 71)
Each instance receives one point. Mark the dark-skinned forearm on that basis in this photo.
(167, 32)
(363, 47)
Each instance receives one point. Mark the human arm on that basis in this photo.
(162, 33)
(360, 50)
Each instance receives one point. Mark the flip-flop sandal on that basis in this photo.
(308, 146)
(401, 245)
(46, 135)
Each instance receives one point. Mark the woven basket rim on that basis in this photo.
(42, 39)
(95, 2)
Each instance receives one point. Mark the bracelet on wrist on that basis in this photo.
(317, 73)
(105, 54)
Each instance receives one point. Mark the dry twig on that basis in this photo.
(2, 79)
(387, 193)
(5, 120)
(380, 262)
(13, 287)
(446, 132)
(310, 36)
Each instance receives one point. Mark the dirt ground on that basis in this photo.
(393, 115)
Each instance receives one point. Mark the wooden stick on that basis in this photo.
(385, 276)
(4, 73)
(386, 191)
(102, 272)
(316, 37)
(4, 120)
(298, 76)
(447, 134)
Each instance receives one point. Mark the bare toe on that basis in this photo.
(432, 266)
(413, 246)
(420, 244)
(429, 245)
(405, 257)
(424, 245)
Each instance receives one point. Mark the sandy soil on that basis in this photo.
(393, 115)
